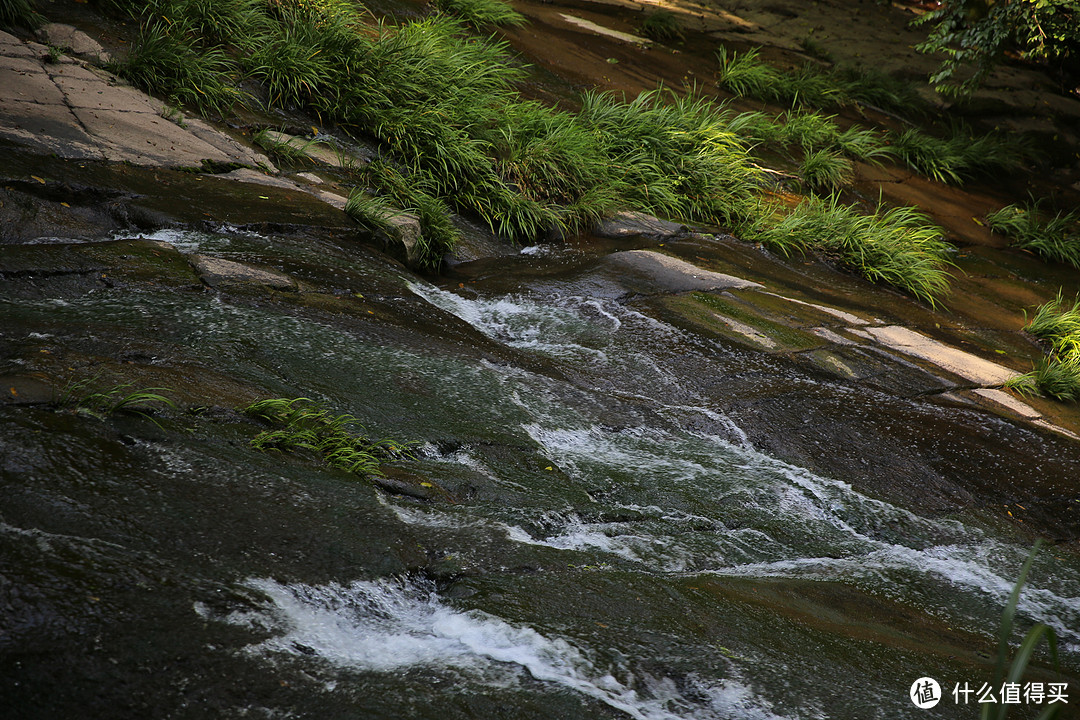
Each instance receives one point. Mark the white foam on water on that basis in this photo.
(186, 241)
(557, 329)
(388, 626)
(928, 556)
(784, 515)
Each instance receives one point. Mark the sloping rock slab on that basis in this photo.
(970, 367)
(216, 272)
(636, 224)
(76, 41)
(650, 273)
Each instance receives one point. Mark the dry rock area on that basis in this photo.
(75, 110)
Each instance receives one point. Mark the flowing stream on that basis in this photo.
(611, 543)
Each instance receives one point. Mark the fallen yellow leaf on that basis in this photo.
(38, 179)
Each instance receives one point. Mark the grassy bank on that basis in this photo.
(455, 135)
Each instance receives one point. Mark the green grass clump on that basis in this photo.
(170, 58)
(412, 195)
(1056, 239)
(866, 145)
(826, 169)
(676, 159)
(371, 211)
(959, 156)
(479, 13)
(876, 88)
(291, 151)
(808, 130)
(302, 425)
(1058, 374)
(1059, 324)
(822, 144)
(1014, 673)
(743, 74)
(661, 26)
(755, 126)
(897, 246)
(18, 13)
(1052, 376)
(812, 85)
(119, 399)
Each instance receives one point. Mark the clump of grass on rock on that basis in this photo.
(1057, 323)
(1056, 239)
(897, 246)
(300, 425)
(480, 13)
(661, 26)
(674, 159)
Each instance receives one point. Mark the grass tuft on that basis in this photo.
(1054, 240)
(300, 424)
(661, 26)
(292, 150)
(1058, 374)
(168, 58)
(411, 194)
(1014, 673)
(809, 130)
(19, 13)
(743, 74)
(1059, 324)
(897, 246)
(480, 13)
(673, 159)
(117, 399)
(826, 170)
(372, 211)
(960, 155)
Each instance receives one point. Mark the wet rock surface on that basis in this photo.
(216, 272)
(648, 272)
(636, 224)
(705, 480)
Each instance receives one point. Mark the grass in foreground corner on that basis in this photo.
(1058, 374)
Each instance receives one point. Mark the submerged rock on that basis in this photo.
(216, 272)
